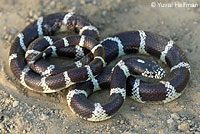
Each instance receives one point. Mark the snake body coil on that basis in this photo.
(47, 26)
(27, 62)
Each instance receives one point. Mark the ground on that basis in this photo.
(23, 111)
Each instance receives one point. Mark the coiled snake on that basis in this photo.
(87, 74)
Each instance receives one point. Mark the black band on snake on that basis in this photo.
(91, 78)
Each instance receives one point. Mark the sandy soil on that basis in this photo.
(23, 111)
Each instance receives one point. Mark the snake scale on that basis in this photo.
(90, 72)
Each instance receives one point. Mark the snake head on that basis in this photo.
(146, 68)
(153, 71)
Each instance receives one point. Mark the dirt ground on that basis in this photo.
(23, 111)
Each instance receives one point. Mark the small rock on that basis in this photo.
(122, 122)
(24, 131)
(132, 123)
(13, 31)
(44, 117)
(127, 133)
(6, 36)
(198, 129)
(1, 125)
(125, 10)
(88, 1)
(182, 106)
(132, 108)
(184, 118)
(175, 116)
(5, 27)
(35, 16)
(15, 103)
(53, 3)
(34, 106)
(107, 128)
(136, 126)
(9, 38)
(94, 2)
(186, 29)
(195, 22)
(30, 112)
(184, 126)
(82, 2)
(56, 111)
(113, 128)
(31, 20)
(192, 124)
(11, 126)
(66, 127)
(170, 121)
(191, 129)
(30, 13)
(104, 13)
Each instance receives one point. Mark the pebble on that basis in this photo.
(13, 31)
(94, 2)
(132, 108)
(11, 126)
(132, 123)
(30, 13)
(113, 128)
(34, 106)
(44, 117)
(35, 16)
(186, 29)
(198, 129)
(107, 127)
(24, 131)
(104, 13)
(15, 103)
(53, 3)
(184, 118)
(1, 125)
(175, 116)
(125, 10)
(170, 121)
(5, 27)
(9, 38)
(122, 122)
(183, 126)
(195, 22)
(66, 127)
(56, 111)
(82, 2)
(127, 133)
(88, 1)
(136, 10)
(6, 36)
(30, 112)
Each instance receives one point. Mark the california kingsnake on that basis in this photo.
(87, 71)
